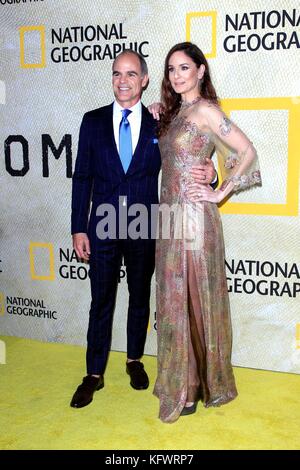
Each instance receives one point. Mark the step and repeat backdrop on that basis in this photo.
(56, 59)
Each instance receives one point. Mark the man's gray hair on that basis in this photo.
(143, 63)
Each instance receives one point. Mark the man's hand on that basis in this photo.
(201, 190)
(155, 109)
(81, 245)
(204, 174)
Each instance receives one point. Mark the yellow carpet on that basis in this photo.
(38, 380)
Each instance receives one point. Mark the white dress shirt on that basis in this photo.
(134, 118)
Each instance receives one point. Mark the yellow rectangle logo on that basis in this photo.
(2, 352)
(298, 335)
(50, 276)
(290, 207)
(196, 16)
(27, 29)
(2, 307)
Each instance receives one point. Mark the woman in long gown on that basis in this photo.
(193, 313)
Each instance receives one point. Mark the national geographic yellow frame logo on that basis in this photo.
(25, 29)
(298, 335)
(198, 15)
(2, 306)
(50, 276)
(290, 208)
(2, 352)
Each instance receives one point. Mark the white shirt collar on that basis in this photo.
(136, 108)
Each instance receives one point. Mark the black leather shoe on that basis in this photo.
(138, 377)
(84, 393)
(189, 410)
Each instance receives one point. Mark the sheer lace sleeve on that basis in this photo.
(236, 154)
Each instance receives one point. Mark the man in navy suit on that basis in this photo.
(104, 175)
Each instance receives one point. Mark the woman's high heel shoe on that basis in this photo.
(188, 410)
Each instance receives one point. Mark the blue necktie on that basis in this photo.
(125, 144)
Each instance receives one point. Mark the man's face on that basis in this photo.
(127, 80)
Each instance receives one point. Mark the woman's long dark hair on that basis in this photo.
(170, 99)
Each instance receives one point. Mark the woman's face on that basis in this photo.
(184, 74)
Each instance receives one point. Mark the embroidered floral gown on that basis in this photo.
(193, 313)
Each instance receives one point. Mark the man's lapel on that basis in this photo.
(113, 153)
(146, 133)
